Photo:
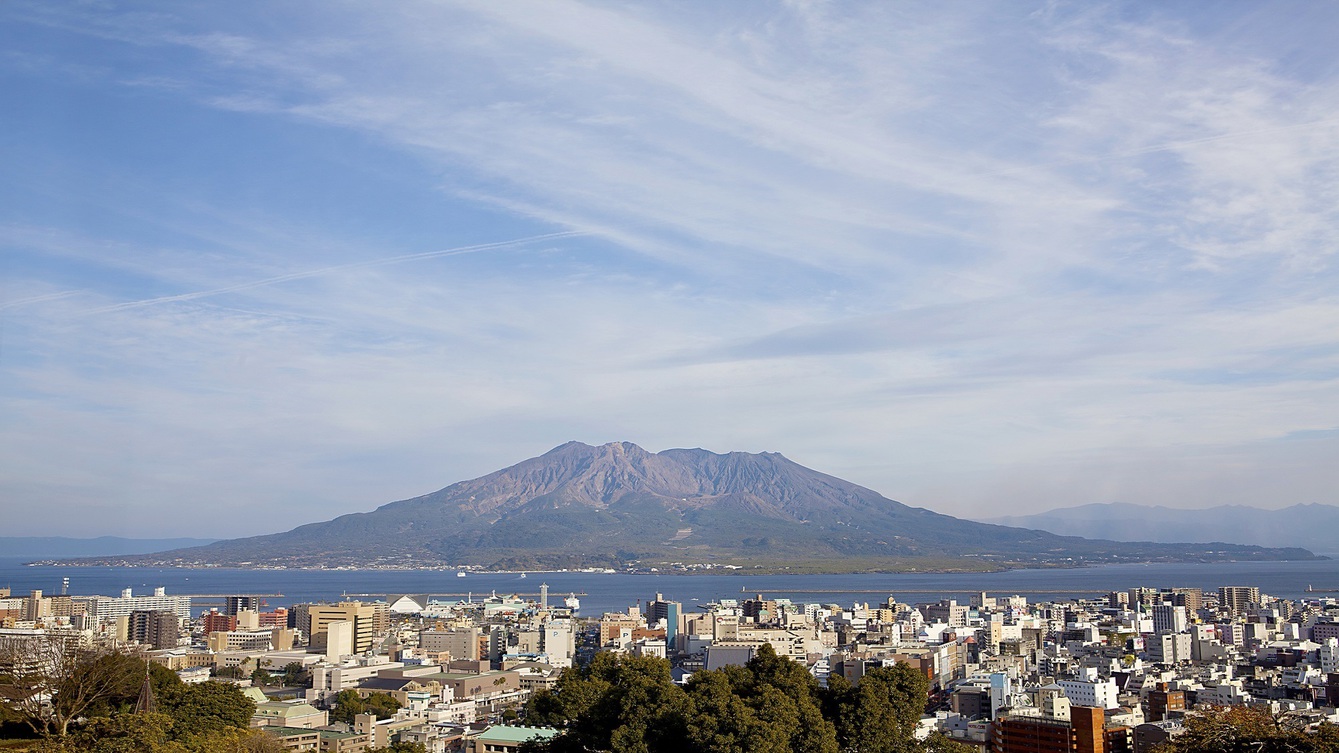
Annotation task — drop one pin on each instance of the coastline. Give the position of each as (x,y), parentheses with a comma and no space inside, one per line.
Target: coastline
(615,592)
(853,566)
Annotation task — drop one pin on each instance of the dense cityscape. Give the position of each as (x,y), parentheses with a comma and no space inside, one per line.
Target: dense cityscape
(1112,675)
(609,376)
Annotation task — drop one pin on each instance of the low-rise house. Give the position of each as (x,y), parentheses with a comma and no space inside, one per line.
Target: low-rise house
(291,714)
(501,738)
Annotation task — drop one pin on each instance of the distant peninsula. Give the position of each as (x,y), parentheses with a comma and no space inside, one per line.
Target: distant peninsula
(101,546)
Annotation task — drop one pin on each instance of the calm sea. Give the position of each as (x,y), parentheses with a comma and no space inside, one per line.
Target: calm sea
(611,592)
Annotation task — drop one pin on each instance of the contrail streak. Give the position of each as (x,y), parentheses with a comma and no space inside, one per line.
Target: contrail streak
(461,250)
(37,299)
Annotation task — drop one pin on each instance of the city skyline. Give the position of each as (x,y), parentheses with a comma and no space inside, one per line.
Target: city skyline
(290,262)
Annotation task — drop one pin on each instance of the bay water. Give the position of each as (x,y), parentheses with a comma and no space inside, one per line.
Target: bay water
(611,592)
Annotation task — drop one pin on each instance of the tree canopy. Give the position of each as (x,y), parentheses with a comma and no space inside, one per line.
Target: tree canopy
(50,681)
(152,733)
(92,693)
(349,704)
(626,704)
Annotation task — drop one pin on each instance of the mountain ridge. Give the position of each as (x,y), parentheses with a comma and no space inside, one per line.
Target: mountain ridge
(616,504)
(70,546)
(1307,525)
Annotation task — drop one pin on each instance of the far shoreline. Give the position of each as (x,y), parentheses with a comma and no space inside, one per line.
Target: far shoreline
(798,569)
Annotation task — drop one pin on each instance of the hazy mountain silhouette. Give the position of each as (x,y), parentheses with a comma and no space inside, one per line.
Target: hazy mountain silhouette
(1310,526)
(64,546)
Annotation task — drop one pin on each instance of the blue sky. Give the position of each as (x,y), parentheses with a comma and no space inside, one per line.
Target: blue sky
(268,263)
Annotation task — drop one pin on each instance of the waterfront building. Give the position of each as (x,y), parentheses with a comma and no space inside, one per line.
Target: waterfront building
(111,607)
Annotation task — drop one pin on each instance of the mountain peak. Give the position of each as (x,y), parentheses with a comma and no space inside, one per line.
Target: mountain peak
(609,504)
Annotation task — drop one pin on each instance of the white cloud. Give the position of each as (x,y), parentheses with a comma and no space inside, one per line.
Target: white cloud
(956,254)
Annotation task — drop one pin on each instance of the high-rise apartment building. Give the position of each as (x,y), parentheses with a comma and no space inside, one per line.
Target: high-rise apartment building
(1190,598)
(234,604)
(215,622)
(36,607)
(106,607)
(1238,599)
(154,627)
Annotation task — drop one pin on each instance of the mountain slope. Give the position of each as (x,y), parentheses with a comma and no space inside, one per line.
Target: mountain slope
(1310,526)
(63,546)
(608,505)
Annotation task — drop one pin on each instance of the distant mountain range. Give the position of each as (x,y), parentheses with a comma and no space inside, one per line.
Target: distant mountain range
(102,546)
(1313,526)
(614,504)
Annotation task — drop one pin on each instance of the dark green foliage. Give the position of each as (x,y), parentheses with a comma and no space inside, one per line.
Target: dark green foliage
(95,692)
(938,742)
(349,704)
(205,708)
(152,733)
(296,675)
(122,733)
(615,703)
(879,714)
(770,705)
(51,685)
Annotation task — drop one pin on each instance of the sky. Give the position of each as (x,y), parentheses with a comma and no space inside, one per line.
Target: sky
(266,263)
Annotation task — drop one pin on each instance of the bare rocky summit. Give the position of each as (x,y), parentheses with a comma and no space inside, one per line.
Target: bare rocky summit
(609,505)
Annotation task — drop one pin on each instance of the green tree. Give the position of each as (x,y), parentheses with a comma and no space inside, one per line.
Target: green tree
(770,703)
(348,704)
(122,733)
(152,733)
(381,705)
(938,742)
(51,681)
(720,720)
(296,675)
(878,714)
(623,704)
(205,708)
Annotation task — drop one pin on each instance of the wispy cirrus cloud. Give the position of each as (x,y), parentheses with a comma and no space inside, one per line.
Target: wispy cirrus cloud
(954,253)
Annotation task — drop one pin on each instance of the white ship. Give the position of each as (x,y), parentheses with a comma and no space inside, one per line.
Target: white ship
(460,574)
(572,602)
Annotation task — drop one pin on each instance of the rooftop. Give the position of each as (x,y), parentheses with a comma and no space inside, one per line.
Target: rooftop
(507,733)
